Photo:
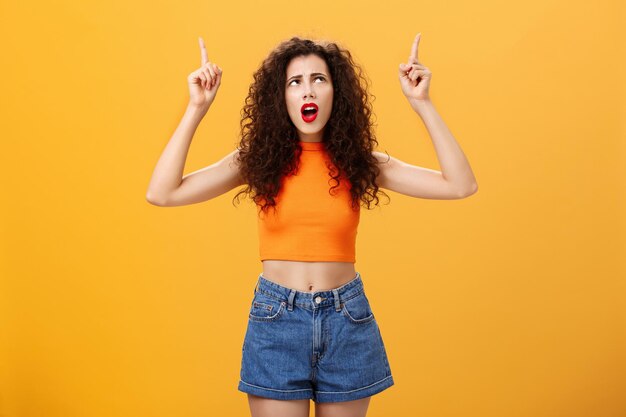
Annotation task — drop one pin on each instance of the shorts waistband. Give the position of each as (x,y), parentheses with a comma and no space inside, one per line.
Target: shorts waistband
(334,296)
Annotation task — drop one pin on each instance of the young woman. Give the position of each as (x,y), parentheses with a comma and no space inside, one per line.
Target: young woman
(306,157)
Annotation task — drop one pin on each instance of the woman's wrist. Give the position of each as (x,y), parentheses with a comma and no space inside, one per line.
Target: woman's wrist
(196,110)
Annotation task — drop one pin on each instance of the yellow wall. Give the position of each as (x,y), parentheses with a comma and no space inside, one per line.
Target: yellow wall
(509,303)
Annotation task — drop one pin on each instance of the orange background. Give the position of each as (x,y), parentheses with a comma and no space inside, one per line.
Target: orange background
(509,303)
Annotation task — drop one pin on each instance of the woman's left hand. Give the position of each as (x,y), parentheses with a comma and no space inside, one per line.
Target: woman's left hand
(415,77)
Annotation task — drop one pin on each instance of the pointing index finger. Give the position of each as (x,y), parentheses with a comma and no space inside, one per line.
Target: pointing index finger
(203,53)
(413,56)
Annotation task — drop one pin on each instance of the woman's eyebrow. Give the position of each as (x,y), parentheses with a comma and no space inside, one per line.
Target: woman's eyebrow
(300,75)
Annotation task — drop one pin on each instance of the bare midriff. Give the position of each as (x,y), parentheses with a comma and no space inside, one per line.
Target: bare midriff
(308,276)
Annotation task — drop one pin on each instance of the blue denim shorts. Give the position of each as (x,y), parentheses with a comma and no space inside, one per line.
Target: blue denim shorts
(325,345)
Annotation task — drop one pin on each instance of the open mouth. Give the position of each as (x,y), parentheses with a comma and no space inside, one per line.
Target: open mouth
(309,112)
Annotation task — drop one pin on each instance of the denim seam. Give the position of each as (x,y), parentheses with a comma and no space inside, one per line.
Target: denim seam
(280,390)
(268,318)
(354,390)
(383,350)
(267,294)
(262,305)
(358,321)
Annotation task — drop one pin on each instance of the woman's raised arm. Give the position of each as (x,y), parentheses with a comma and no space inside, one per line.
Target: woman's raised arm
(167,176)
(205,184)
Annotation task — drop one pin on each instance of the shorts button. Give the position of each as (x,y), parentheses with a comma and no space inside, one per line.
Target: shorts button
(318,299)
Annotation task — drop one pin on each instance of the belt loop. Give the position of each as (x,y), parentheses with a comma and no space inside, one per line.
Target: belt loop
(257,284)
(336,297)
(292,295)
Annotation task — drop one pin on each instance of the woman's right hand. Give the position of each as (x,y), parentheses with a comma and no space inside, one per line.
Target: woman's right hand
(204,82)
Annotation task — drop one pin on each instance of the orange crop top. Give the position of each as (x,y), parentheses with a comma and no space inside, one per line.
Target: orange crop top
(309,223)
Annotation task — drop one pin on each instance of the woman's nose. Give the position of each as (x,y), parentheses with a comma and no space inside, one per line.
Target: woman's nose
(308,90)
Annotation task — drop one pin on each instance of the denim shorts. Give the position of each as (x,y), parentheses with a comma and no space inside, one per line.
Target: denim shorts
(325,345)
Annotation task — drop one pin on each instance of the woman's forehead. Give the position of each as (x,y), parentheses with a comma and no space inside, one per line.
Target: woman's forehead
(306,65)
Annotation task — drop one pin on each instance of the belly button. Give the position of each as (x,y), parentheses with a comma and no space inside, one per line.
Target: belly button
(310,287)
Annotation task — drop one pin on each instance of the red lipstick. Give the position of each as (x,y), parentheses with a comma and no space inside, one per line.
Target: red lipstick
(310,115)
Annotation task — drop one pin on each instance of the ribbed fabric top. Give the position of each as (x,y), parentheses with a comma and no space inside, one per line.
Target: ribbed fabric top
(310,224)
(312,146)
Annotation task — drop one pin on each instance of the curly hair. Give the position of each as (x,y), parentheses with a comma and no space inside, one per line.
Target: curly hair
(269,146)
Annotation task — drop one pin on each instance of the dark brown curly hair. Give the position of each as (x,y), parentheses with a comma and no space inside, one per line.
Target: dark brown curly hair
(269,146)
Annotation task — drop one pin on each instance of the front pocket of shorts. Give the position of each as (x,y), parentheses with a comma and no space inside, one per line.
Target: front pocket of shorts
(357,310)
(265,308)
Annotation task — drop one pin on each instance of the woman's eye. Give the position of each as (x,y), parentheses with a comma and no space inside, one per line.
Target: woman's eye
(318,77)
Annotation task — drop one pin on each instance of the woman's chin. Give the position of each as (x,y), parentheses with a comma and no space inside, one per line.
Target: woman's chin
(310,130)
